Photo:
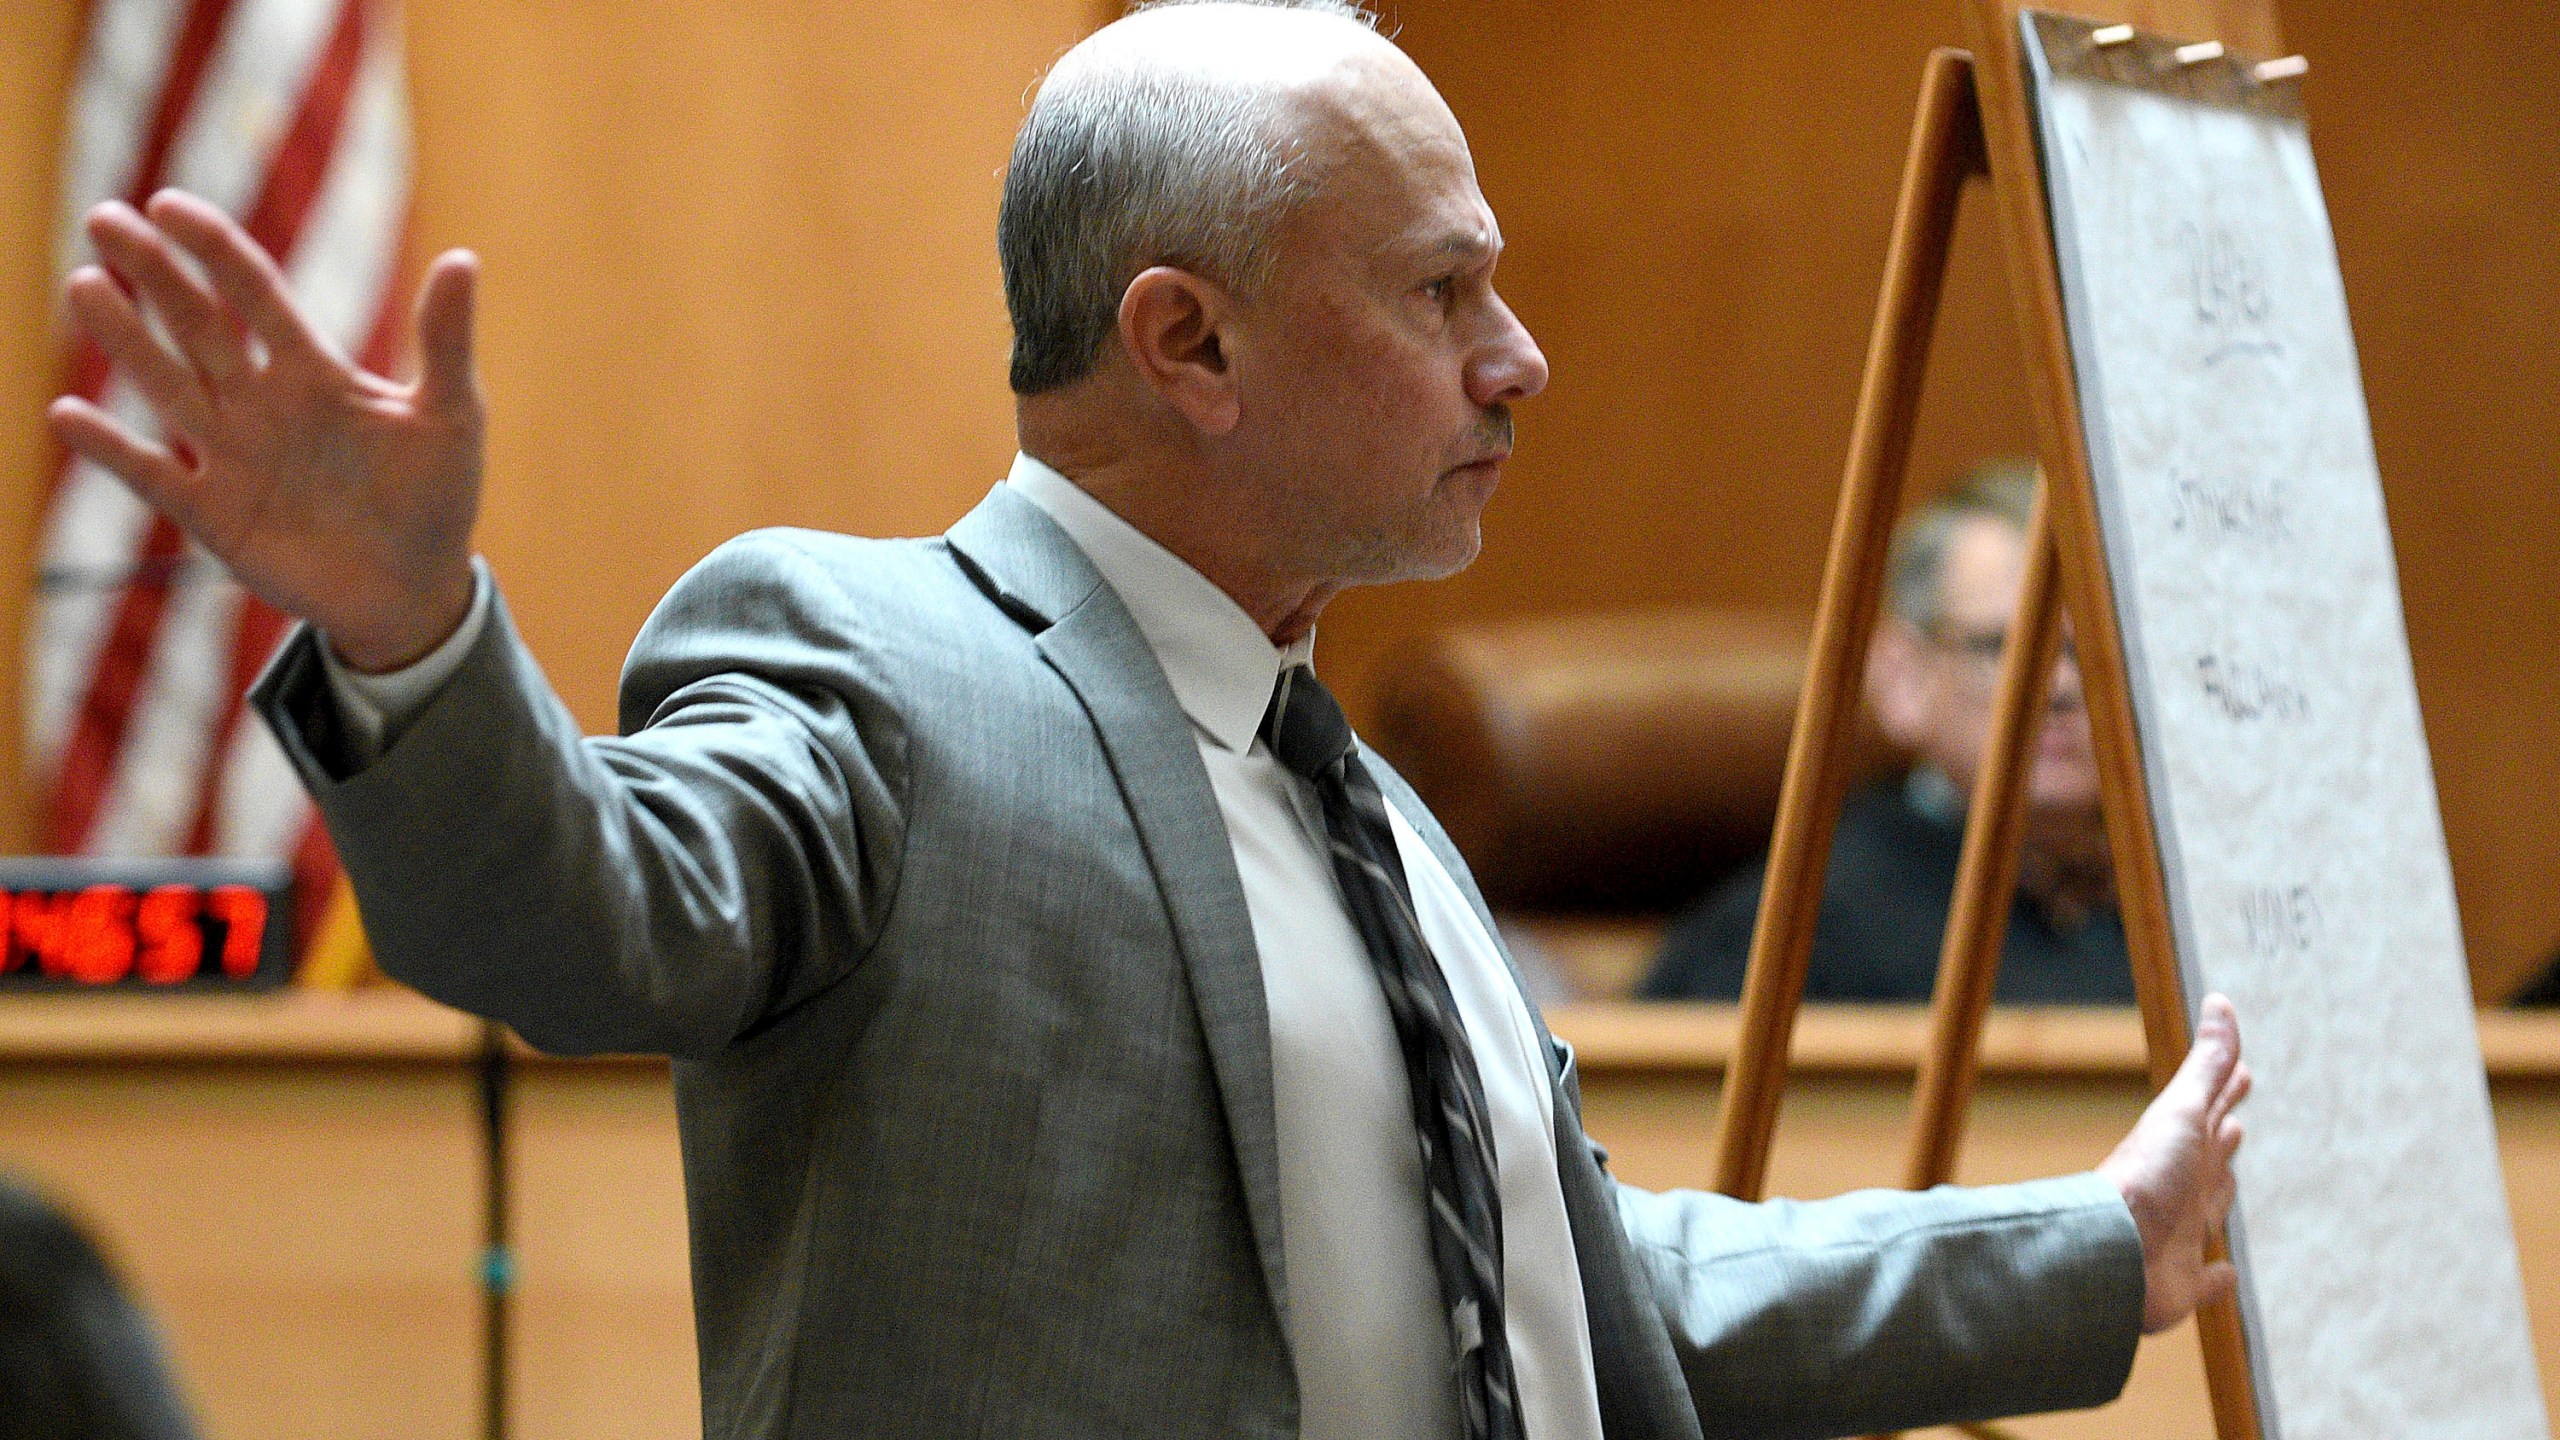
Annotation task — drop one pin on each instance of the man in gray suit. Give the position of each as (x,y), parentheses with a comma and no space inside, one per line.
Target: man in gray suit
(1075,1034)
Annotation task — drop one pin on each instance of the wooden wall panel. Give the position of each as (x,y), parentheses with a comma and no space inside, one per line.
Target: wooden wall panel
(37,43)
(2434,133)
(298,1200)
(305,1237)
(309,1239)
(1696,202)
(741,272)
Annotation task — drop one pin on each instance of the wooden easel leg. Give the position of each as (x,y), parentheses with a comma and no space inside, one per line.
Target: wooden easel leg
(2228,1383)
(1946,149)
(1987,874)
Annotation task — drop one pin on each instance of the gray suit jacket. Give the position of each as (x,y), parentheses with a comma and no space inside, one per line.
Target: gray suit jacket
(908,859)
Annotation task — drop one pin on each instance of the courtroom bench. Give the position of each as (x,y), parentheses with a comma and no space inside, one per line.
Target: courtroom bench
(294,1184)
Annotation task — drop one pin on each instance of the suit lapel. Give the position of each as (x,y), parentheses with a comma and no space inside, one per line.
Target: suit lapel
(1014,550)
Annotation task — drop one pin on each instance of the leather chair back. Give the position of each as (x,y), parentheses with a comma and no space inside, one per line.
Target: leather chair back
(1617,761)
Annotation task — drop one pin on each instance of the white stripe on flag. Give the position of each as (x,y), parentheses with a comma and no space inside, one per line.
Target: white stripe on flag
(112,100)
(95,525)
(251,89)
(262,809)
(89,548)
(150,804)
(342,269)
(339,267)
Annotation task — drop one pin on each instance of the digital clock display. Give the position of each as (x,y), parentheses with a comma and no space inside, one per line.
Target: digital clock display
(193,924)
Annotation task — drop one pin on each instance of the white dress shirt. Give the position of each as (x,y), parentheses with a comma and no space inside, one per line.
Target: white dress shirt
(1365,1320)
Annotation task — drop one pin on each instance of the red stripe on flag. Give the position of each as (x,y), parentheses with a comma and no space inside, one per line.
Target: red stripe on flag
(302,158)
(179,83)
(381,352)
(85,369)
(98,730)
(105,715)
(87,768)
(253,639)
(85,375)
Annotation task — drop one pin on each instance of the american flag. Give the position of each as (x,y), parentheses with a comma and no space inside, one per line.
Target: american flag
(291,115)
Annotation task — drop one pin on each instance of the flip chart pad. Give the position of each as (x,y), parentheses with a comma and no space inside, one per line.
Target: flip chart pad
(2295,811)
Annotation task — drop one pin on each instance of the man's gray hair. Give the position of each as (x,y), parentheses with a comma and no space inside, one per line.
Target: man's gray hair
(1915,569)
(1124,168)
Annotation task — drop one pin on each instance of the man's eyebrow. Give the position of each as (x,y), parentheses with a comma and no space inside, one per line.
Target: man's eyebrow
(1464,244)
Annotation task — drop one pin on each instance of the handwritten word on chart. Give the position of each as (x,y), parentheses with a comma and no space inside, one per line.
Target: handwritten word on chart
(2280,920)
(2246,692)
(2227,291)
(2242,511)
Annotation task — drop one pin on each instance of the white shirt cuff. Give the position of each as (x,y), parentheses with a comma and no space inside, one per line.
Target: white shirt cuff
(376,708)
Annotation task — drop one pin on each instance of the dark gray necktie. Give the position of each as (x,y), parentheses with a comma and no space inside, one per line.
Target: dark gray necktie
(1306,731)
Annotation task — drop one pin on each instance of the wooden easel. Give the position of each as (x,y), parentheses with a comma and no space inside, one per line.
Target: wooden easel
(1973,121)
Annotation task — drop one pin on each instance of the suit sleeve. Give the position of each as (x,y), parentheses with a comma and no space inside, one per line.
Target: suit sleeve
(1888,1310)
(662,891)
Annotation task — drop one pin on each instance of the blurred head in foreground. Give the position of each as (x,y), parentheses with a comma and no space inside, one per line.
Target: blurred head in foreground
(78,1360)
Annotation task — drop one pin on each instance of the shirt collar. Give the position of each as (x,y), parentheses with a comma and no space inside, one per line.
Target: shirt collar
(1935,794)
(1221,666)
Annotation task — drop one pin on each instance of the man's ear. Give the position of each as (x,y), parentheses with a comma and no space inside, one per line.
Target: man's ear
(1897,687)
(1173,325)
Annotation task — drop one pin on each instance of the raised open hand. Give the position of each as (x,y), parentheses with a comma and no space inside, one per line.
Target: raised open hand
(334,494)
(2174,1171)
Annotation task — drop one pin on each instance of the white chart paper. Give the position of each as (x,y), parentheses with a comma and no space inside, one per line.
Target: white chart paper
(2295,808)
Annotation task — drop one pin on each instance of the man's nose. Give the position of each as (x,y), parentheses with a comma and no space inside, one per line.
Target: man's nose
(2067,694)
(1509,366)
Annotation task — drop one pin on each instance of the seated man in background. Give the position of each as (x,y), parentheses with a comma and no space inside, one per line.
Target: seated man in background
(1951,586)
